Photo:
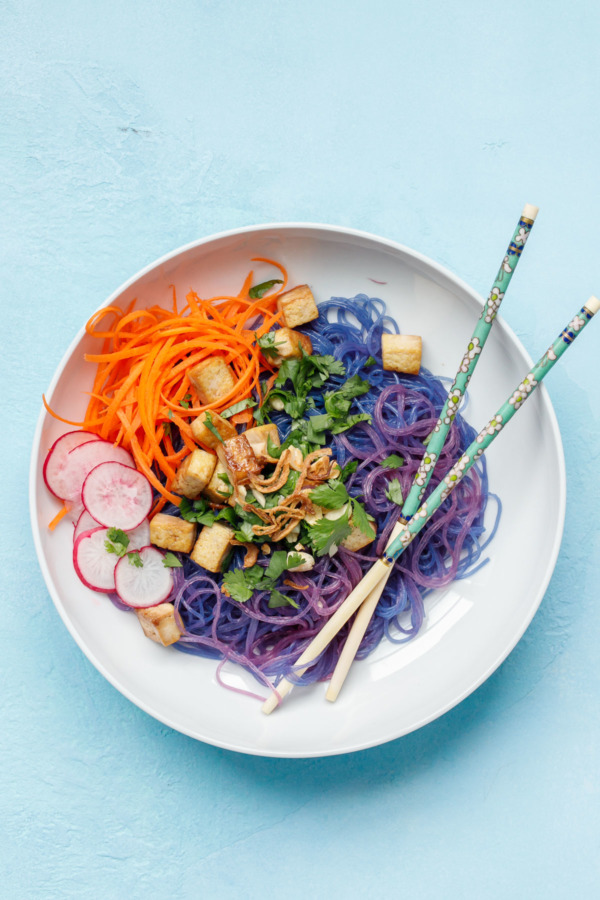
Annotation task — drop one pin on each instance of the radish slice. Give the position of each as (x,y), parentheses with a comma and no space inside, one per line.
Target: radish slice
(55,465)
(74,509)
(140,536)
(93,563)
(85,522)
(117,495)
(81,460)
(148,585)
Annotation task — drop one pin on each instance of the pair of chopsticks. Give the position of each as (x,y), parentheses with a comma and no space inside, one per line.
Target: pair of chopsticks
(414,516)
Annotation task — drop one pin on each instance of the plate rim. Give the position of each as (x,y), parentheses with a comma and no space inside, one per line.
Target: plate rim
(560,489)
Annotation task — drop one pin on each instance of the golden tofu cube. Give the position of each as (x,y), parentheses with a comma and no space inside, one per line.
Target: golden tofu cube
(357,539)
(172,533)
(257,437)
(298,306)
(217,488)
(204,435)
(213,379)
(402,353)
(212,546)
(289,344)
(239,458)
(158,623)
(194,474)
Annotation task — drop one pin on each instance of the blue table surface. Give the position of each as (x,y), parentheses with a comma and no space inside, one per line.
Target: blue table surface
(129,129)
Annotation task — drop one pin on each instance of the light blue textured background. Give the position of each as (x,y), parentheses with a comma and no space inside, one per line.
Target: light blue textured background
(129,128)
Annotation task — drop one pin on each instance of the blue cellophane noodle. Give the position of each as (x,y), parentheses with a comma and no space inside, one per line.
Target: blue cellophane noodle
(404,410)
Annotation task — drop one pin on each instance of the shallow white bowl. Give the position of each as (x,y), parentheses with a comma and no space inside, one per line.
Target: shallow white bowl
(471,626)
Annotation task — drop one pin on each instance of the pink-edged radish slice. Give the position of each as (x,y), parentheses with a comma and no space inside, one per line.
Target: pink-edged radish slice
(85,522)
(117,496)
(81,460)
(145,585)
(74,509)
(140,536)
(55,464)
(93,563)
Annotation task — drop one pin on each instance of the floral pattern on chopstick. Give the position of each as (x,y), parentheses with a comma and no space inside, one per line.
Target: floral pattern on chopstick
(492,306)
(526,387)
(468,363)
(473,349)
(427,464)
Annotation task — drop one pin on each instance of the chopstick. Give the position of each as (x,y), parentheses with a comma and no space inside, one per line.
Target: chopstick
(473,452)
(440,432)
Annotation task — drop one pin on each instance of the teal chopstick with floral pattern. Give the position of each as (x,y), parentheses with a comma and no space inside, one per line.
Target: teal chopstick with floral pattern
(381,568)
(492,429)
(469,361)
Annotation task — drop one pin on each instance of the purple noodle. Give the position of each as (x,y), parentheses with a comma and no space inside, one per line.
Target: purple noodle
(404,410)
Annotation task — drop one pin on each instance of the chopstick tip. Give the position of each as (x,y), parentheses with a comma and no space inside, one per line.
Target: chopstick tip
(530,211)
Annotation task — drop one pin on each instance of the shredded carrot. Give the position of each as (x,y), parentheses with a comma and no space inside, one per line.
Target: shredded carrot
(141,388)
(60,418)
(57,518)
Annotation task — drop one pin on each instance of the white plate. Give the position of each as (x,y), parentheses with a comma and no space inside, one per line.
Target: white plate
(471,625)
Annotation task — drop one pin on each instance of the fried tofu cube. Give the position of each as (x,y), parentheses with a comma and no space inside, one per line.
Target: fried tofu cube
(203,434)
(357,539)
(217,489)
(402,353)
(212,546)
(159,624)
(289,344)
(172,533)
(194,474)
(298,306)
(239,458)
(258,437)
(212,378)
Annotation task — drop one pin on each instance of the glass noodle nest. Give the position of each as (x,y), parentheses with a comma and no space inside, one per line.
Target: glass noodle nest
(404,411)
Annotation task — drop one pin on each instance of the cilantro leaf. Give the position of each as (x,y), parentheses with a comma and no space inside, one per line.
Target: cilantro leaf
(370,361)
(269,345)
(327,365)
(238,407)
(245,533)
(228,514)
(289,371)
(186,402)
(294,560)
(327,533)
(338,427)
(361,520)
(393,461)
(170,561)
(272,449)
(116,541)
(332,495)
(238,586)
(394,492)
(277,565)
(277,599)
(316,427)
(354,387)
(337,405)
(308,372)
(196,511)
(348,470)
(209,424)
(135,559)
(259,290)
